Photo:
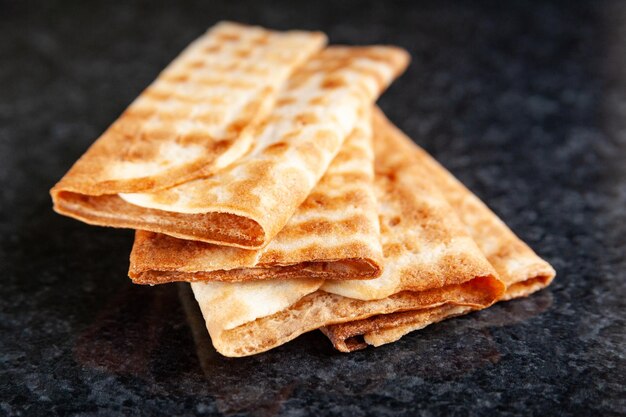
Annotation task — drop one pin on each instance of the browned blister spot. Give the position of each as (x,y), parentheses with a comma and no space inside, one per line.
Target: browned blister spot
(276,149)
(333,81)
(285,101)
(138,112)
(393,250)
(262,39)
(227,37)
(194,138)
(156,94)
(243,53)
(195,64)
(318,101)
(306,118)
(175,78)
(211,49)
(237,126)
(272,255)
(394,221)
(160,133)
(207,141)
(260,170)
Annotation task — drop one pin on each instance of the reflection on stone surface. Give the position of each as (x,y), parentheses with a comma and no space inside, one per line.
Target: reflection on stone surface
(515,311)
(157,335)
(140,333)
(124,335)
(461,347)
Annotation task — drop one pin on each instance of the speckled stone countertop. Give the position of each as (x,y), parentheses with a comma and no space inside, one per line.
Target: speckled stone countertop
(526,104)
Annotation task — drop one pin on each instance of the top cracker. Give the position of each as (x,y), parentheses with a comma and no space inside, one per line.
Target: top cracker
(196,117)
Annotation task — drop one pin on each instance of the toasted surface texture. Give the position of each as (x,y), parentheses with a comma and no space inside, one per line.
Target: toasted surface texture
(386,328)
(520,269)
(430,260)
(197,116)
(319,309)
(515,262)
(334,233)
(251,200)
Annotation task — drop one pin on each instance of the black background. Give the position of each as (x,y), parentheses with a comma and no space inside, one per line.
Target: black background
(526,104)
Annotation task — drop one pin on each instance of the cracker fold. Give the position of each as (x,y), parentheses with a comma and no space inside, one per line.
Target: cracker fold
(519,268)
(246,204)
(430,260)
(334,233)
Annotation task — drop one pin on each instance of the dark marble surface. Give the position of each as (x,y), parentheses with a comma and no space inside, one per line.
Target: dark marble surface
(525,103)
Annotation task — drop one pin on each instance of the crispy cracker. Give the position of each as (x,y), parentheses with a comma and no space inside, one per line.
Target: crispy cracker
(521,270)
(430,260)
(334,233)
(249,202)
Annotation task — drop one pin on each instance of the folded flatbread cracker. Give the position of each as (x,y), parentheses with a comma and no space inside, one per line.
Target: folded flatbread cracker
(196,117)
(246,204)
(521,270)
(334,233)
(430,260)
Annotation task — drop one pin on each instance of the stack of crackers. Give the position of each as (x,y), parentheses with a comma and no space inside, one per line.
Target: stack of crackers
(257,168)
